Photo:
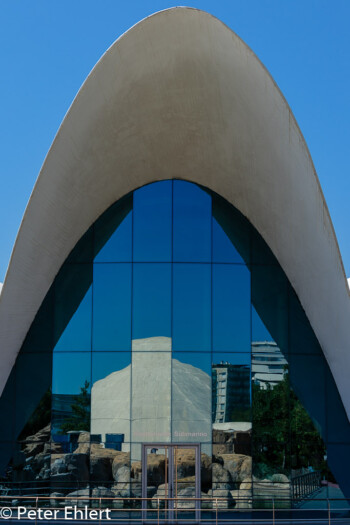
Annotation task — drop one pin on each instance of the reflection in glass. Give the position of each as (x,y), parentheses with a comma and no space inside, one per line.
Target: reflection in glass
(231,389)
(192,223)
(191,307)
(71,382)
(158,478)
(152,222)
(191,397)
(270,396)
(112,307)
(224,250)
(151,392)
(32,394)
(231,308)
(184,480)
(152,301)
(76,335)
(110,399)
(270,300)
(231,404)
(173,362)
(118,246)
(302,338)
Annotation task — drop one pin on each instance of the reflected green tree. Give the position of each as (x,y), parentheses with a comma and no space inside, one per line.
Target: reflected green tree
(80,418)
(284,435)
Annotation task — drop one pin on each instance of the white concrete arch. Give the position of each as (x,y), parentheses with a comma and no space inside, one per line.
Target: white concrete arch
(181,96)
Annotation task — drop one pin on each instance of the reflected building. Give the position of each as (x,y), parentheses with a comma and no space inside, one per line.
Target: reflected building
(268,363)
(231,392)
(169,340)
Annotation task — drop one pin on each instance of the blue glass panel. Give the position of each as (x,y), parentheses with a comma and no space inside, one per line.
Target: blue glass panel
(236,227)
(269,364)
(231,308)
(33,383)
(269,292)
(77,333)
(71,383)
(112,307)
(191,307)
(223,249)
(152,222)
(192,223)
(152,302)
(302,339)
(70,371)
(338,457)
(259,330)
(307,377)
(234,359)
(40,336)
(118,246)
(106,363)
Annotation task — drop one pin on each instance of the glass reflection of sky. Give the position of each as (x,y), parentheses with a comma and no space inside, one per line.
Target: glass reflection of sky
(231,308)
(151,300)
(118,247)
(77,334)
(195,359)
(223,249)
(231,358)
(192,307)
(112,307)
(191,223)
(259,330)
(152,228)
(203,307)
(70,371)
(105,363)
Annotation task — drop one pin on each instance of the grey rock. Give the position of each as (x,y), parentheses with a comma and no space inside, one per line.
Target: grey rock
(279,478)
(222,499)
(220,474)
(77,465)
(121,459)
(65,477)
(58,467)
(122,475)
(76,498)
(54,502)
(102,492)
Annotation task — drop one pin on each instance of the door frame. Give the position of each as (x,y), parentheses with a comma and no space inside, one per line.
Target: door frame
(171,447)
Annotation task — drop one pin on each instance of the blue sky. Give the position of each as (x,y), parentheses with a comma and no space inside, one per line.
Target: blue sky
(48,47)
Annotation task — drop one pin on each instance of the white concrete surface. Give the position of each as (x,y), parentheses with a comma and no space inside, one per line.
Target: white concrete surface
(181,96)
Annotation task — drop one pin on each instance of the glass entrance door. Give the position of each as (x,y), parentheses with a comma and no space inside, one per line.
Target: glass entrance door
(170,481)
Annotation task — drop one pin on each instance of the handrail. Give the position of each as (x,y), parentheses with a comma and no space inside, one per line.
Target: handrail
(216,513)
(305,484)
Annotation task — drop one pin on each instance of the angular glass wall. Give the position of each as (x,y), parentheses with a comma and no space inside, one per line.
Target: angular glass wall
(172,323)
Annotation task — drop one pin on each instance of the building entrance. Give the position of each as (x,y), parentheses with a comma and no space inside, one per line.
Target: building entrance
(171,481)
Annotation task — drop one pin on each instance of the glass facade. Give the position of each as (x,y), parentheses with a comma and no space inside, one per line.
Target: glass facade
(171,323)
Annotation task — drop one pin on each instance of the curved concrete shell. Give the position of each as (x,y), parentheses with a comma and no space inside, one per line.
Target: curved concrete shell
(181,96)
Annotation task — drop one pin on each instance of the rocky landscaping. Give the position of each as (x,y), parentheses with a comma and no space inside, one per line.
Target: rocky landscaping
(107,473)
